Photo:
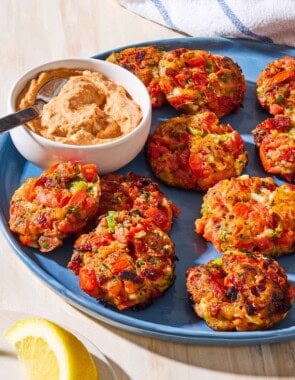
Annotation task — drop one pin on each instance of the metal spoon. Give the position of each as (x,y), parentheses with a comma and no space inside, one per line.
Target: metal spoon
(46,92)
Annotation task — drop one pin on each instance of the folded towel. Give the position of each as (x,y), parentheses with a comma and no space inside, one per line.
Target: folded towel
(263,20)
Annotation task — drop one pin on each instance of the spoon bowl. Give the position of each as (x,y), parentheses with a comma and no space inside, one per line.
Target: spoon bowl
(46,92)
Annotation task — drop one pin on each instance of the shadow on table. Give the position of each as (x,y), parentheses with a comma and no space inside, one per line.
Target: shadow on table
(267,360)
(108,372)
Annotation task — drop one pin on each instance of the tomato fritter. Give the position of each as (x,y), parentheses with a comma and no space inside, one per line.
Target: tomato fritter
(276,87)
(132,191)
(195,151)
(143,62)
(275,139)
(58,203)
(251,214)
(126,261)
(240,292)
(196,80)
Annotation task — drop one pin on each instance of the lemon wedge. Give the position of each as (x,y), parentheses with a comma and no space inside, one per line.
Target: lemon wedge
(50,352)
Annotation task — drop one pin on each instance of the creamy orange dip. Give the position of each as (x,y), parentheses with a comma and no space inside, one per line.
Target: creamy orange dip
(90,109)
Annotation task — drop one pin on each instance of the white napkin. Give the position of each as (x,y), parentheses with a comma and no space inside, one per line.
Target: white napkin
(262,20)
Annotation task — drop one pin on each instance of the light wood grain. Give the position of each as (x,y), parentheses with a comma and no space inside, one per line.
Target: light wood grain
(35,31)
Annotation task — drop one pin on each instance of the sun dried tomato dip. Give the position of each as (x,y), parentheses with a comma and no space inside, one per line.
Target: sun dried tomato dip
(90,109)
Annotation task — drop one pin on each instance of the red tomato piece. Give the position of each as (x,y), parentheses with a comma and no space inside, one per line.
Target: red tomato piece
(237,144)
(199,79)
(282,76)
(89,171)
(88,282)
(196,62)
(120,265)
(197,166)
(77,198)
(159,217)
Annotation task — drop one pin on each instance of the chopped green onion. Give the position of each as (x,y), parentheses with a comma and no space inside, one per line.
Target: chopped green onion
(196,132)
(277,233)
(223,137)
(280,99)
(218,261)
(111,219)
(224,78)
(78,185)
(45,245)
(223,235)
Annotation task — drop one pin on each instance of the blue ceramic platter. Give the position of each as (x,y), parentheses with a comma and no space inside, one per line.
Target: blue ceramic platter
(170,317)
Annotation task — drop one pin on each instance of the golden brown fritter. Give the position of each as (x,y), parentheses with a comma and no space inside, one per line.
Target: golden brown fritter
(276,87)
(132,191)
(195,152)
(196,80)
(275,139)
(251,214)
(60,202)
(143,62)
(126,261)
(240,292)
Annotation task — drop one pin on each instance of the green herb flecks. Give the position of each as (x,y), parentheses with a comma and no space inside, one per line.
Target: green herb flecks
(111,219)
(218,261)
(78,185)
(280,99)
(224,78)
(196,132)
(45,245)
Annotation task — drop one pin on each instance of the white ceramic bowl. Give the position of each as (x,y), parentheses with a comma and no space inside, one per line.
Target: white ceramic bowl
(109,156)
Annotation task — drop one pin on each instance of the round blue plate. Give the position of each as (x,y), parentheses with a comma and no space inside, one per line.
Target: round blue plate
(170,317)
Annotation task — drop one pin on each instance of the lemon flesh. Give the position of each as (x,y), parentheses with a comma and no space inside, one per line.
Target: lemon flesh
(50,352)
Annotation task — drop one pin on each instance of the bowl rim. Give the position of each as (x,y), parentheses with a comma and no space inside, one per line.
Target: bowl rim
(34,71)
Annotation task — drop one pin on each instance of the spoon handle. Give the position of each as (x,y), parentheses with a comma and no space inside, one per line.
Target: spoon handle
(18,118)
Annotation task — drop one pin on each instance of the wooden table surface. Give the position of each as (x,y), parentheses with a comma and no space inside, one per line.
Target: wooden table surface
(33,32)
